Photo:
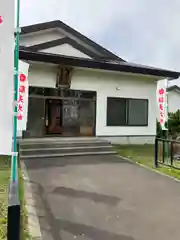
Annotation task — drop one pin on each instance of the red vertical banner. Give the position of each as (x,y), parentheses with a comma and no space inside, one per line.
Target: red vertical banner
(1,20)
(22,96)
(161,95)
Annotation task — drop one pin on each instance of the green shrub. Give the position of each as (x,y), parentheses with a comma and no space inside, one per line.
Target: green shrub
(173,125)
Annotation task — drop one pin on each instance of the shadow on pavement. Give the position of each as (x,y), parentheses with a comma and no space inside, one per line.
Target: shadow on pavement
(95,197)
(56,227)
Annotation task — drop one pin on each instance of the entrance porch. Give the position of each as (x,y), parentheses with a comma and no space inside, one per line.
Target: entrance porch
(52,147)
(60,112)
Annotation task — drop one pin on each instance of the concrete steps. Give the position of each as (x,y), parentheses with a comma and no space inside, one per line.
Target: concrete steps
(61,147)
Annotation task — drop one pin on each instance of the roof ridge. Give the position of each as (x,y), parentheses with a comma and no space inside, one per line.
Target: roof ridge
(174,87)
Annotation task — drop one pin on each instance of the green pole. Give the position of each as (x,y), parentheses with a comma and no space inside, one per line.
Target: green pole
(14,169)
(14,207)
(167,131)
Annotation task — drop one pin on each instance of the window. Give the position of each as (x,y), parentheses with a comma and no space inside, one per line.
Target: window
(137,112)
(116,112)
(127,112)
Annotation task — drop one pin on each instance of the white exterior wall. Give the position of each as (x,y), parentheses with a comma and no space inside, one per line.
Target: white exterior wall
(173,101)
(42,76)
(66,50)
(106,85)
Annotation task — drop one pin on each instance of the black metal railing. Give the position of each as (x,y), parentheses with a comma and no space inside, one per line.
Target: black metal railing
(167,152)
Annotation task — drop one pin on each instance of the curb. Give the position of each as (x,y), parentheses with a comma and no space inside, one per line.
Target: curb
(148,168)
(33,221)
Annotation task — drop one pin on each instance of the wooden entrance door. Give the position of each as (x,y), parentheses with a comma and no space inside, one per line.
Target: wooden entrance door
(54,116)
(70,116)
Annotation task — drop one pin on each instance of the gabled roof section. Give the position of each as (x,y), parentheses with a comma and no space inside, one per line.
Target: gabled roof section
(59,24)
(174,88)
(61,41)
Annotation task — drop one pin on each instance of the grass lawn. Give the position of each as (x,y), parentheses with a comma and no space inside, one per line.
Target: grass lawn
(144,154)
(4,181)
(24,219)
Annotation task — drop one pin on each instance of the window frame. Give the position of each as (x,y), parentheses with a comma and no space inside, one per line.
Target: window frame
(127,112)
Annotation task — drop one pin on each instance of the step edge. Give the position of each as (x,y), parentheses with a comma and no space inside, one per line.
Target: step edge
(61,142)
(68,154)
(64,148)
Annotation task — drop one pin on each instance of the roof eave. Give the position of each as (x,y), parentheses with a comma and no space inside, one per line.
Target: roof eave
(94,64)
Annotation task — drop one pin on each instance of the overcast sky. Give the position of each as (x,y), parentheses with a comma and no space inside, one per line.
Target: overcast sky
(142,31)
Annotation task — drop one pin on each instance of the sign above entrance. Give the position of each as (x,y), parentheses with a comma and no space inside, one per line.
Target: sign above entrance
(23,96)
(63,79)
(61,93)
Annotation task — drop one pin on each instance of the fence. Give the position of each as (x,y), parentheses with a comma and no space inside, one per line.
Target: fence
(167,152)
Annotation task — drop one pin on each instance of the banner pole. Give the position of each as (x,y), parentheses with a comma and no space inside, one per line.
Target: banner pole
(14,209)
(16,75)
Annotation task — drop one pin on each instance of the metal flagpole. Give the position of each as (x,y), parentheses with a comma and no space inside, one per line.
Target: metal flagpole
(13,226)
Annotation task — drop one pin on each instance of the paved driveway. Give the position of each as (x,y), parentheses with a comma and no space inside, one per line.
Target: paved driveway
(103,198)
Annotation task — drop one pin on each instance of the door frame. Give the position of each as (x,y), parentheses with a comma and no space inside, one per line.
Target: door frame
(94,100)
(43,120)
(49,118)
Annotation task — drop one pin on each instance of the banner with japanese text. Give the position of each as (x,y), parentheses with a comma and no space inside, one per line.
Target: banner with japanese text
(161,95)
(6,75)
(22,96)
